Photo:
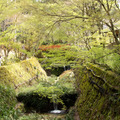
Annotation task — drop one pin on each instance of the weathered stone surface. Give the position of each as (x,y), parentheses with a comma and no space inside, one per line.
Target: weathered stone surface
(99,93)
(22,72)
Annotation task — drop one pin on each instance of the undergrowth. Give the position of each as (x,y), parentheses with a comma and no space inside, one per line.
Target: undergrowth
(41,95)
(7,103)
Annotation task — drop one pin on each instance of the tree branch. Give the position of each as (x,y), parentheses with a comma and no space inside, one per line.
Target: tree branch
(116,4)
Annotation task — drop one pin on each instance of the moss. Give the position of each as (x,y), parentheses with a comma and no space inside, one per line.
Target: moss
(13,75)
(97,100)
(18,73)
(111,77)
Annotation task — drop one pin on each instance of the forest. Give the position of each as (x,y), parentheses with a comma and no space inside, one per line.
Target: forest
(61,55)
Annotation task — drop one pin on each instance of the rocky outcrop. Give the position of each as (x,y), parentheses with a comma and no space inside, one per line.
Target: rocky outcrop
(99,93)
(21,73)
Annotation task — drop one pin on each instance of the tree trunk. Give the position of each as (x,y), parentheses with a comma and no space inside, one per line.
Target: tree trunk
(113,32)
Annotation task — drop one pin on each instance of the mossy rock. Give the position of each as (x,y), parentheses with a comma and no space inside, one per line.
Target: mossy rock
(110,76)
(21,72)
(99,93)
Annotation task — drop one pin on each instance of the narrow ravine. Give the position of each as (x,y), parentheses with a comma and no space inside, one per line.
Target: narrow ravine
(50,100)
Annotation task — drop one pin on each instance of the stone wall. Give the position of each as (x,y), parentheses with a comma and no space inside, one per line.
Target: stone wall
(99,93)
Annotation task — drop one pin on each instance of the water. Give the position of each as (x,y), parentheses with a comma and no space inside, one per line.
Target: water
(64,68)
(56,111)
(55,106)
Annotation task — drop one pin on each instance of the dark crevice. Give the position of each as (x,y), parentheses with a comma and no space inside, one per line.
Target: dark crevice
(44,104)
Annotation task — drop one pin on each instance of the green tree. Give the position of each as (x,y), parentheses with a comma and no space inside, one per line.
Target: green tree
(110,15)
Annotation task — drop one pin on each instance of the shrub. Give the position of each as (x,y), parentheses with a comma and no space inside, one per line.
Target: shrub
(7,101)
(41,97)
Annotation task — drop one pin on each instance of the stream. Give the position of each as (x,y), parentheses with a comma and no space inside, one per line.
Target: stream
(52,99)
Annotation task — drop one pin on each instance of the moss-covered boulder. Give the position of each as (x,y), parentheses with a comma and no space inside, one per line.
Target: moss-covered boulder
(22,72)
(99,93)
(27,72)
